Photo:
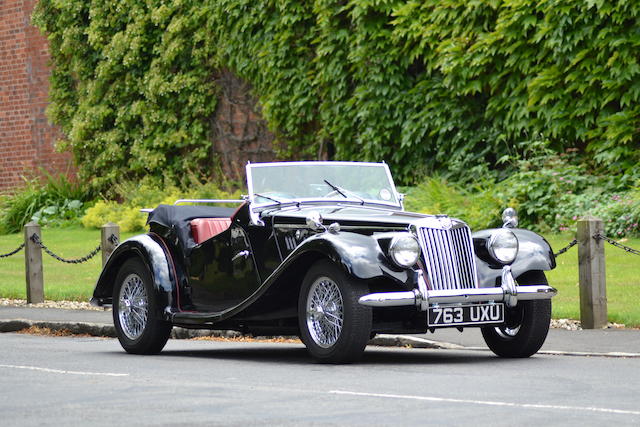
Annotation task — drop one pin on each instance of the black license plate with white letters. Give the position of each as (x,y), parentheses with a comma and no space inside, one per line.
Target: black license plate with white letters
(472,314)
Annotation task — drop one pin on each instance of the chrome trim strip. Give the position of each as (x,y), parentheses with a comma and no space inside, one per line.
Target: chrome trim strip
(453,296)
(342,227)
(177,202)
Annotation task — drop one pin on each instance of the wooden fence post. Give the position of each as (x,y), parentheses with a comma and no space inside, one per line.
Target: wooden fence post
(593,296)
(106,244)
(33,264)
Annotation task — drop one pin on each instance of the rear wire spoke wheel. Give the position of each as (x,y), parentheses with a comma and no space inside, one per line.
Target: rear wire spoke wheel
(137,316)
(133,304)
(334,327)
(526,325)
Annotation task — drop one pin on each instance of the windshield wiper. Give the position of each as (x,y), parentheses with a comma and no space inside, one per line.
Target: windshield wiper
(343,191)
(268,198)
(336,189)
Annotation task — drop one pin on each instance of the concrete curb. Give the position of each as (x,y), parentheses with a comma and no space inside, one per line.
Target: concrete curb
(615,354)
(383,340)
(80,328)
(102,330)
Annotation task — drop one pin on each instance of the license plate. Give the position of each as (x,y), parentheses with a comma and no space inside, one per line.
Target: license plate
(472,314)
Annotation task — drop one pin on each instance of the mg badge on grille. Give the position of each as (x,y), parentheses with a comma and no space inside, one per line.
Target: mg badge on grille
(445,222)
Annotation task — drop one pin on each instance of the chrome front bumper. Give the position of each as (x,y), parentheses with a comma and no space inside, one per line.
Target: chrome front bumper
(509,293)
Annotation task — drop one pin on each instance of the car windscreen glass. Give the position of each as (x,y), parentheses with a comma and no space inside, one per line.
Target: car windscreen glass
(368,182)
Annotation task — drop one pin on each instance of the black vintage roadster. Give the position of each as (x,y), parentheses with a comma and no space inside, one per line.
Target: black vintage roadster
(325,251)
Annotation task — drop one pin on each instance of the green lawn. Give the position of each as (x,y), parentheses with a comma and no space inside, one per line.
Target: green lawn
(76,281)
(61,281)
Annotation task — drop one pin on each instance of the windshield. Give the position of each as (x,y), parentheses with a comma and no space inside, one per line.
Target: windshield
(272,183)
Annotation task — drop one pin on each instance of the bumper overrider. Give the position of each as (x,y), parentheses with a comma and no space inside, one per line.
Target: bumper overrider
(509,293)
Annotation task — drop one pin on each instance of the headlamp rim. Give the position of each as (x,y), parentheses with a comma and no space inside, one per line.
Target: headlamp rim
(495,235)
(394,242)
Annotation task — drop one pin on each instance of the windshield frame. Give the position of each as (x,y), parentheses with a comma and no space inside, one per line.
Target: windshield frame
(321,200)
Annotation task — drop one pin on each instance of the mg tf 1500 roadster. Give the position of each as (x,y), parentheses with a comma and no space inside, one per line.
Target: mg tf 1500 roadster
(326,251)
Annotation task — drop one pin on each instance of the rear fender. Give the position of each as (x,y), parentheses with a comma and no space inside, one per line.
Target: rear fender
(150,249)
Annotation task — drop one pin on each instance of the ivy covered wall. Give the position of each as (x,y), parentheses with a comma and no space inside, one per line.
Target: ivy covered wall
(422,84)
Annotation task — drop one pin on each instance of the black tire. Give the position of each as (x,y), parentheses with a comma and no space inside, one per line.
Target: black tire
(526,325)
(137,333)
(326,342)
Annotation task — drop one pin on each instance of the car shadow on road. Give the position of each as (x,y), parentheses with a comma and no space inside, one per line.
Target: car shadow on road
(296,354)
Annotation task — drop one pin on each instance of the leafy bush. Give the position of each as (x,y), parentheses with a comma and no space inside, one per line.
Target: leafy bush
(620,213)
(479,208)
(59,214)
(425,85)
(551,191)
(58,201)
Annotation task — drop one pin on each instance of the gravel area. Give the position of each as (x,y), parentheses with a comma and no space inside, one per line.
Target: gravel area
(569,324)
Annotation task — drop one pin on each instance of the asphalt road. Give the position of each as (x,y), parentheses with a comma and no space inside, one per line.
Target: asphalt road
(91,381)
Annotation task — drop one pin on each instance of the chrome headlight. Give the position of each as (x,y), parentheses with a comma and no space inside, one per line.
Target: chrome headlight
(503,245)
(404,250)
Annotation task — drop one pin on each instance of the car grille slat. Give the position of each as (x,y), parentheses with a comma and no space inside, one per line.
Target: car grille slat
(448,256)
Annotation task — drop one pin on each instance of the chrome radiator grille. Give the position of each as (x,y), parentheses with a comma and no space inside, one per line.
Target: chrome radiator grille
(448,255)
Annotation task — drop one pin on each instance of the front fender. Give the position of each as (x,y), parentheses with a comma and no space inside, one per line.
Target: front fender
(359,255)
(534,253)
(150,250)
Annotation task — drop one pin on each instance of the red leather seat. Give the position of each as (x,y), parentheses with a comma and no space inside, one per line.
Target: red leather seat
(205,228)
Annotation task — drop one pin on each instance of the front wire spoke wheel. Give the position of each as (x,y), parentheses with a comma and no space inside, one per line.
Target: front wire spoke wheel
(324,301)
(334,327)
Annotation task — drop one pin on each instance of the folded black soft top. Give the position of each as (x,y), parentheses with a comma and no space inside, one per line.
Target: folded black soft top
(172,218)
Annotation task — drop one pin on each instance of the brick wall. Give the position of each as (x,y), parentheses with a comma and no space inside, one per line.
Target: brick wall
(26,138)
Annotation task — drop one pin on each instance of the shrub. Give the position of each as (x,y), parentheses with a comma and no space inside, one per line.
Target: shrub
(60,214)
(479,208)
(552,191)
(58,201)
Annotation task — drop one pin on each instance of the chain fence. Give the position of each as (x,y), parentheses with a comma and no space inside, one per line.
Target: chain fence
(612,242)
(35,239)
(566,248)
(13,252)
(599,236)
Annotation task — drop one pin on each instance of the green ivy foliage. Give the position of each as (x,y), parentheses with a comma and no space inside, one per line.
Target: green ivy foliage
(425,85)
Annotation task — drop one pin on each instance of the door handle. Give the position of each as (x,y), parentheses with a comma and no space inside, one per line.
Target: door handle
(242,254)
